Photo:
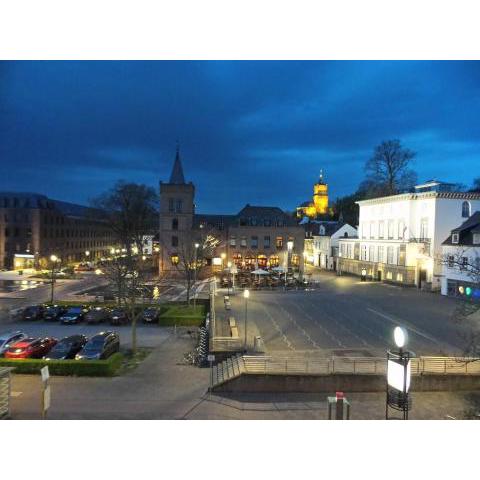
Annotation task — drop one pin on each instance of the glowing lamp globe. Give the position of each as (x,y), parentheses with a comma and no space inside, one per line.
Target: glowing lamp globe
(400,336)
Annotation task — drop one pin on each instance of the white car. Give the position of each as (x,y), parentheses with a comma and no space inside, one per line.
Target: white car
(9,338)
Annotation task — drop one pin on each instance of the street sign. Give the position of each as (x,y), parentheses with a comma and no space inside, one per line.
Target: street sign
(45,373)
(211,358)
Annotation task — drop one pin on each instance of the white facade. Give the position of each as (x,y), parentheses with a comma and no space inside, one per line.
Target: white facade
(400,237)
(326,247)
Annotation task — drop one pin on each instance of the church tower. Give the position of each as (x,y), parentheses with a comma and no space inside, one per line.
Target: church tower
(320,196)
(177,209)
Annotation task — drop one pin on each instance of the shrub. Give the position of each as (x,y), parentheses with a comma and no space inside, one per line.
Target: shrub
(80,368)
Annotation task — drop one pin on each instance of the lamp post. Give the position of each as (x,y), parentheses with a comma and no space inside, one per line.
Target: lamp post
(223,256)
(289,251)
(229,265)
(195,277)
(54,259)
(246,294)
(398,375)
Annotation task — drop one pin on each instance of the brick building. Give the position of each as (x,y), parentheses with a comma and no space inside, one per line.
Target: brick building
(33,227)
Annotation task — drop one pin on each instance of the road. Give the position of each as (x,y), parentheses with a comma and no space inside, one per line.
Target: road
(345,316)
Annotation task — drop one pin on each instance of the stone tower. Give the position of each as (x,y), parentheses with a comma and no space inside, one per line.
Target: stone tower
(177,209)
(320,196)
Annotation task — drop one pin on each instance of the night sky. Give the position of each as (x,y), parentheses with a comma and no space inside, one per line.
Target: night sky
(249,132)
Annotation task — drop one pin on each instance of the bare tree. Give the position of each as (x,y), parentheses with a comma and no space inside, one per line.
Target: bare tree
(388,170)
(467,262)
(130,211)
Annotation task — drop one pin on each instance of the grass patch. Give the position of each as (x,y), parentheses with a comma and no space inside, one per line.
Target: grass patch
(79,368)
(130,361)
(185,315)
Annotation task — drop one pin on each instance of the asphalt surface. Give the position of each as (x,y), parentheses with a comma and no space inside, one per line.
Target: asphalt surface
(344,316)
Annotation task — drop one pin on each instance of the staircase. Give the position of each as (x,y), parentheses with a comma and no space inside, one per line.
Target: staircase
(230,368)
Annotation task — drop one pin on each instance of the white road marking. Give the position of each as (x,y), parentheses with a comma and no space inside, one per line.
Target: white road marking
(398,321)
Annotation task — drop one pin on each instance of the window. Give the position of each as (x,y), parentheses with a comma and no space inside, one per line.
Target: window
(175,224)
(243,241)
(390,255)
(451,261)
(399,277)
(364,230)
(476,238)
(381,229)
(254,241)
(279,242)
(267,222)
(464,263)
(371,253)
(356,251)
(266,241)
(345,235)
(423,228)
(401,254)
(364,252)
(322,230)
(233,241)
(174,259)
(465,209)
(179,205)
(174,241)
(380,258)
(455,237)
(372,229)
(170,205)
(401,230)
(390,229)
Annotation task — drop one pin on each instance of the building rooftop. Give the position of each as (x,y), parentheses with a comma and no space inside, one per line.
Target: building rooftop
(465,231)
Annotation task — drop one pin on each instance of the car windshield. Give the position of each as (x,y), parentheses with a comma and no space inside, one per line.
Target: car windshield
(94,345)
(74,310)
(62,347)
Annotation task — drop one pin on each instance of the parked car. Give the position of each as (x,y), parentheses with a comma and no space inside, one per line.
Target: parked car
(31,348)
(97,315)
(150,315)
(53,312)
(118,316)
(67,348)
(73,315)
(9,338)
(100,346)
(34,312)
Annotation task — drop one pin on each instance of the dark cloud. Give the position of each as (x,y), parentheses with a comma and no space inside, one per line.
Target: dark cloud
(255,132)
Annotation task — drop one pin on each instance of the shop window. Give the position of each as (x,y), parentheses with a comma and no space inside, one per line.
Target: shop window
(279,242)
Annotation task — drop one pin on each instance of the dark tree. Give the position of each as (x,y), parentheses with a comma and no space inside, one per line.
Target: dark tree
(388,171)
(131,211)
(476,185)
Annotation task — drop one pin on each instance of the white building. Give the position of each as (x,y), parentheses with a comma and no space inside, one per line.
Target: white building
(326,243)
(401,236)
(461,260)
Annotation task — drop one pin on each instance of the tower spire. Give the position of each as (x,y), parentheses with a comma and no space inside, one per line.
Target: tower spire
(177,176)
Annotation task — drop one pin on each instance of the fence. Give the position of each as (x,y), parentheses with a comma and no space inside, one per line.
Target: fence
(361,365)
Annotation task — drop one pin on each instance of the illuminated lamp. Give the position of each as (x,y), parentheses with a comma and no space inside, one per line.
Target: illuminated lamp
(468,291)
(461,290)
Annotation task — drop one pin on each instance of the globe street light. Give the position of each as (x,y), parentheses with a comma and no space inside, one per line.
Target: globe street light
(246,295)
(195,277)
(54,259)
(400,336)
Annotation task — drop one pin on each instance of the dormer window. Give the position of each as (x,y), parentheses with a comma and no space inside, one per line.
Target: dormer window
(322,230)
(476,238)
(455,237)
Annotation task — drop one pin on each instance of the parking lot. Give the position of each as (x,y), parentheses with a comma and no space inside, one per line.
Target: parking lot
(344,316)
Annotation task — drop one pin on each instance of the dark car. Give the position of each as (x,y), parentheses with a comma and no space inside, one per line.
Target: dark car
(53,312)
(9,338)
(150,315)
(97,315)
(34,312)
(31,348)
(73,315)
(67,348)
(100,346)
(118,316)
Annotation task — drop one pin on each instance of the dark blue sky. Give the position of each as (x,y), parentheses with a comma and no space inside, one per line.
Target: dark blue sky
(256,132)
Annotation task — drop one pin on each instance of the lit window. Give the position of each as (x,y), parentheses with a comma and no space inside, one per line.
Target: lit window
(174,259)
(455,237)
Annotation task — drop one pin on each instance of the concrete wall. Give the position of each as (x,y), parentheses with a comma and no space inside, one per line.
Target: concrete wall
(345,383)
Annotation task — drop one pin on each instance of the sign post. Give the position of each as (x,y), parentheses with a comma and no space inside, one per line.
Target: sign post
(45,391)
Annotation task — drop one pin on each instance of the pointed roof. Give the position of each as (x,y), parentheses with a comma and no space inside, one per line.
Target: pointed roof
(177,176)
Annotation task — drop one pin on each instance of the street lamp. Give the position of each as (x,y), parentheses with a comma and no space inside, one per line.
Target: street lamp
(399,374)
(223,256)
(246,294)
(87,255)
(289,251)
(195,277)
(229,266)
(54,259)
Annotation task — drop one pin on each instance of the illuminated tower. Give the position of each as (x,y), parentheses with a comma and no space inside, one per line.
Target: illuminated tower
(320,196)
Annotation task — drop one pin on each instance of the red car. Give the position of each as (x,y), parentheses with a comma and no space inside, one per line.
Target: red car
(31,348)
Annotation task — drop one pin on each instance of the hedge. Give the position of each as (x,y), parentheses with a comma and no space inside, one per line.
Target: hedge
(80,368)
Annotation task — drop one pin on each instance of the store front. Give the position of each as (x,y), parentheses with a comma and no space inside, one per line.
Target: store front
(23,261)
